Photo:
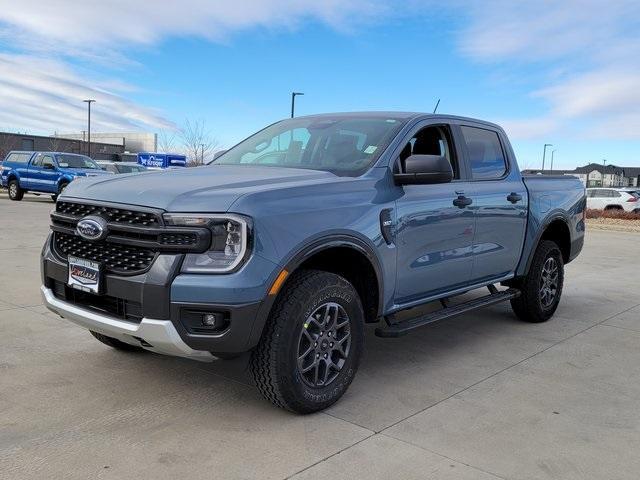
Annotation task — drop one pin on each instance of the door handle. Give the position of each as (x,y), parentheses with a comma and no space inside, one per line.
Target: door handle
(462,201)
(513,197)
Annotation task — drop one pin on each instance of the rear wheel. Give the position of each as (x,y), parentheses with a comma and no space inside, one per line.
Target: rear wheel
(115,343)
(312,343)
(541,289)
(15,192)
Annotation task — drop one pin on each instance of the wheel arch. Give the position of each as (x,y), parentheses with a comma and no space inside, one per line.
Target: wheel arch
(344,255)
(557,230)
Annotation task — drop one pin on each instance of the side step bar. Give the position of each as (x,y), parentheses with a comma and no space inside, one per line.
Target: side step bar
(393,330)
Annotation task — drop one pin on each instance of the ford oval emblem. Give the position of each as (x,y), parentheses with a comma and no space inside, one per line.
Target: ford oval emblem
(92,228)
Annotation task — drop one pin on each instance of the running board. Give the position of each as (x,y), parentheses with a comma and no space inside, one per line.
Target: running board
(393,330)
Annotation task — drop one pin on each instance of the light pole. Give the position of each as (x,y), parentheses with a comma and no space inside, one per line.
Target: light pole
(202,156)
(544,153)
(552,153)
(293,102)
(604,170)
(88,102)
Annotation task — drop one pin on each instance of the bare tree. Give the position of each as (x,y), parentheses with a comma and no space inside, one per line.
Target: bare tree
(55,142)
(167,141)
(197,141)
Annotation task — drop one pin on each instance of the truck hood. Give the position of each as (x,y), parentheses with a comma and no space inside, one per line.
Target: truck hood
(203,189)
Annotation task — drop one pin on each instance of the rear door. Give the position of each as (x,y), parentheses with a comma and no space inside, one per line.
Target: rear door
(500,203)
(434,236)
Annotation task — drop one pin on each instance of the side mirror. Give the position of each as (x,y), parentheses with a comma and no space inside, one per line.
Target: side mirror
(48,166)
(425,169)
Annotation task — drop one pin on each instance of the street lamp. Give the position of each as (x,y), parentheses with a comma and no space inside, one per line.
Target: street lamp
(88,102)
(604,170)
(544,153)
(293,102)
(552,153)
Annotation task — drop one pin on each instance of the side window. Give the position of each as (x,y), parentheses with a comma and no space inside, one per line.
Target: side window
(48,161)
(432,140)
(591,193)
(614,193)
(37,162)
(485,153)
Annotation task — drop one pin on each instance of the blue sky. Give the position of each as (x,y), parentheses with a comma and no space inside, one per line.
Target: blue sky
(566,73)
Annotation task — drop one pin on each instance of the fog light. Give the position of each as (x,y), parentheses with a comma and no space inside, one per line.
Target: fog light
(213,320)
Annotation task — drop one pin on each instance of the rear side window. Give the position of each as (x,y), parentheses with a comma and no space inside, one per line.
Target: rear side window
(485,153)
(18,157)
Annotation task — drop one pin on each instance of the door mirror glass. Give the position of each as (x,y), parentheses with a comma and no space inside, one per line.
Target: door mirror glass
(425,169)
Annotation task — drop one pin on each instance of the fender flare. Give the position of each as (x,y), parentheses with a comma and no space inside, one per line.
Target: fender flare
(543,228)
(306,251)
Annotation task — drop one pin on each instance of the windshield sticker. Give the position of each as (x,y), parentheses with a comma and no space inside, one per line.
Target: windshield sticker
(370,149)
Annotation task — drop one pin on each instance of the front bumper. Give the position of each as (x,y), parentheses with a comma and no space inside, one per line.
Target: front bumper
(156,309)
(159,336)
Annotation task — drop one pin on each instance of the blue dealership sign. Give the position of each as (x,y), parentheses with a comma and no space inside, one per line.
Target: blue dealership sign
(162,160)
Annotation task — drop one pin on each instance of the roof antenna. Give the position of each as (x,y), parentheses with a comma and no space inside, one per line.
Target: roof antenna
(436,109)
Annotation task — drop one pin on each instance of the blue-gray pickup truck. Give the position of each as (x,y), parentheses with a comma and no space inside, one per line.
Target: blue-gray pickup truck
(291,242)
(44,172)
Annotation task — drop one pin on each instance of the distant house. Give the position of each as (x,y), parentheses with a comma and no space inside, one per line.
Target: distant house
(596,175)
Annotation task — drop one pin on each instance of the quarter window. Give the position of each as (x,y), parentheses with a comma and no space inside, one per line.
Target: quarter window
(485,153)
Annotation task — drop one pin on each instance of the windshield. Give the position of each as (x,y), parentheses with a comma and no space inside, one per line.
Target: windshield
(77,161)
(345,145)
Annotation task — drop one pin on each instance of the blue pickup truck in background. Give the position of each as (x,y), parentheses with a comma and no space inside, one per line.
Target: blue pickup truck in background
(289,243)
(44,172)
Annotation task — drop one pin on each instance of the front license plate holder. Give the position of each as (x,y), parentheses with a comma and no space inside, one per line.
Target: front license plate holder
(85,275)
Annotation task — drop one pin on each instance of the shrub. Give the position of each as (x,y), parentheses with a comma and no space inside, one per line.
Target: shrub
(612,213)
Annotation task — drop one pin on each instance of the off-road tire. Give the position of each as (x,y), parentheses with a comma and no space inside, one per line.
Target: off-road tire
(115,343)
(529,306)
(15,192)
(274,362)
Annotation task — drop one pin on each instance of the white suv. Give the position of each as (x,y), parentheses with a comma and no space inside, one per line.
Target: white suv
(611,198)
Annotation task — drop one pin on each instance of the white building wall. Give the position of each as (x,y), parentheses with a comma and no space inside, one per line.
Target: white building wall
(133,142)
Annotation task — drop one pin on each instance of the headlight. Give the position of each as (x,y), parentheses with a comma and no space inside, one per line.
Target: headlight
(229,241)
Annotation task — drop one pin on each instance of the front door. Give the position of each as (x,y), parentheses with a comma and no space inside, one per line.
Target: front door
(434,237)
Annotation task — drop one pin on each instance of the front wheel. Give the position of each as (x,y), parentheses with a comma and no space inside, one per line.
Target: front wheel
(15,192)
(312,343)
(541,289)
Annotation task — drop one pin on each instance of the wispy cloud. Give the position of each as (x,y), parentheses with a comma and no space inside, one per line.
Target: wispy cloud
(590,49)
(44,95)
(38,93)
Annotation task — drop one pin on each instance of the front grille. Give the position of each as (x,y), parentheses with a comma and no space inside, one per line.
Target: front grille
(111,214)
(116,258)
(116,307)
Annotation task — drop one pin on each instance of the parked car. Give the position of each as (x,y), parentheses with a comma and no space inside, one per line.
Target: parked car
(44,172)
(296,238)
(613,199)
(121,167)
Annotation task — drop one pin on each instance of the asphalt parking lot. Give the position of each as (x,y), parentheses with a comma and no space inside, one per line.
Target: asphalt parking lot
(483,396)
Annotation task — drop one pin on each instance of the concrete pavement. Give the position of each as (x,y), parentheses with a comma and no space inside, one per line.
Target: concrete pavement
(483,396)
